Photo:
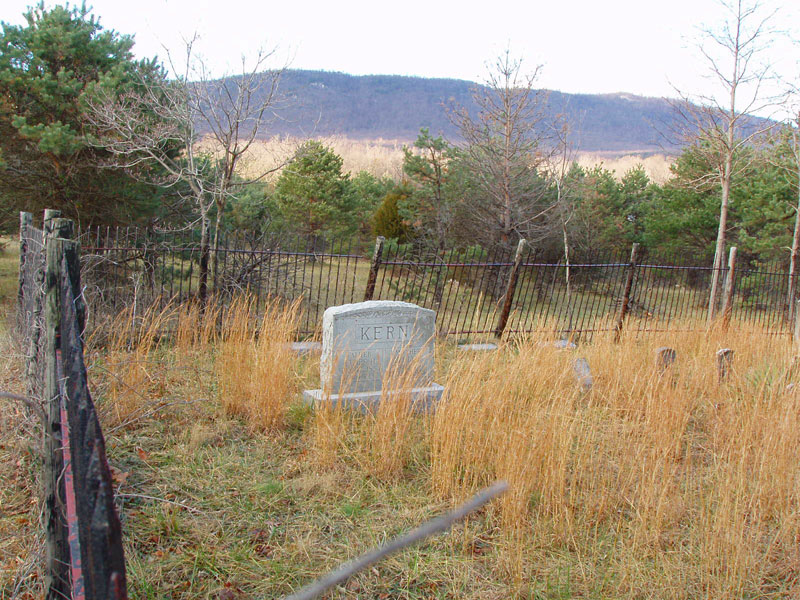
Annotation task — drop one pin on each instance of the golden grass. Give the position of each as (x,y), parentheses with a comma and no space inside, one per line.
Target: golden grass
(657,166)
(651,485)
(255,362)
(381,158)
(384,158)
(693,483)
(21,536)
(130,367)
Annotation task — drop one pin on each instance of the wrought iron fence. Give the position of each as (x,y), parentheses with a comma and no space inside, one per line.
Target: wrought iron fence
(469,288)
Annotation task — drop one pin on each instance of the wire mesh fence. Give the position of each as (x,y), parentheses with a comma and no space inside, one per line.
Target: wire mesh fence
(468,287)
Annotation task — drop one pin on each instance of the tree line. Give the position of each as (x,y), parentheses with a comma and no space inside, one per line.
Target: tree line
(106,138)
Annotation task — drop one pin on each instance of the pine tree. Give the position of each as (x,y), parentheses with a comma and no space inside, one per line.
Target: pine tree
(49,69)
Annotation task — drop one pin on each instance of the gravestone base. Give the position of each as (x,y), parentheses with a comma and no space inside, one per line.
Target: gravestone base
(424,398)
(303,348)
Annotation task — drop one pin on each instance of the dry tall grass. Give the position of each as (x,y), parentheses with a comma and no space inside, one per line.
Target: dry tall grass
(255,363)
(385,157)
(381,438)
(197,330)
(681,486)
(131,374)
(657,166)
(381,158)
(651,485)
(392,431)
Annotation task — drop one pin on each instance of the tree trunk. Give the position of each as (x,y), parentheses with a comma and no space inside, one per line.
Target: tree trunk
(215,254)
(719,251)
(202,290)
(566,258)
(792,287)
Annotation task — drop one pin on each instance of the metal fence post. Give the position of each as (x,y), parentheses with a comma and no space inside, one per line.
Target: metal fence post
(373,268)
(727,306)
(57,576)
(626,294)
(511,286)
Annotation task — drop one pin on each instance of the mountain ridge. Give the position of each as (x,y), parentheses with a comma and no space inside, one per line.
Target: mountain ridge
(325,103)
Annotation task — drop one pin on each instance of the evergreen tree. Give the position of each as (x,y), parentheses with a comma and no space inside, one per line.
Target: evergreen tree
(387,220)
(314,195)
(431,168)
(368,194)
(49,69)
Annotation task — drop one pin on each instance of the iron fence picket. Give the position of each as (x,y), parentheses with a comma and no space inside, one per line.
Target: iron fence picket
(462,286)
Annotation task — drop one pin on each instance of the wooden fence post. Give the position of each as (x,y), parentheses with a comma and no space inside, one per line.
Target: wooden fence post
(57,575)
(373,268)
(25,221)
(797,322)
(727,306)
(511,286)
(626,294)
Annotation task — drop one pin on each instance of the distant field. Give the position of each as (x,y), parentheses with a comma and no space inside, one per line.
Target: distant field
(385,157)
(378,157)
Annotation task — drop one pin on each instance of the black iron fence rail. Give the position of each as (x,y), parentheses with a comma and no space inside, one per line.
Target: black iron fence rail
(468,288)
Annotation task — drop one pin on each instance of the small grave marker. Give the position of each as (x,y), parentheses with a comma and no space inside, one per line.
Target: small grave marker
(724,362)
(665,356)
(565,345)
(303,348)
(583,374)
(478,347)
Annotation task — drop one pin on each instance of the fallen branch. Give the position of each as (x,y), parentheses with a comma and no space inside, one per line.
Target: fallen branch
(191,509)
(427,529)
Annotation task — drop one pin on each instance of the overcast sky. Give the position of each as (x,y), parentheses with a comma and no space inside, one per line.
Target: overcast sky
(644,47)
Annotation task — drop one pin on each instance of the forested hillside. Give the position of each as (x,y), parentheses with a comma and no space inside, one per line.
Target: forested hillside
(321,103)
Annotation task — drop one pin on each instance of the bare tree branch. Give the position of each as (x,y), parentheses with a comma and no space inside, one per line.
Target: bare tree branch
(196,130)
(722,131)
(437,525)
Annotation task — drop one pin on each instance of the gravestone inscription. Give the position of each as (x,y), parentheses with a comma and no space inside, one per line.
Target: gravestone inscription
(361,342)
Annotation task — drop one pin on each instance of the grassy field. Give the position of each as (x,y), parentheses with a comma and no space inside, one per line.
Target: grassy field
(384,158)
(651,485)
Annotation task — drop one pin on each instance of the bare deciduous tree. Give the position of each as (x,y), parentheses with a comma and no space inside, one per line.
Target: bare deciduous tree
(722,126)
(200,130)
(505,148)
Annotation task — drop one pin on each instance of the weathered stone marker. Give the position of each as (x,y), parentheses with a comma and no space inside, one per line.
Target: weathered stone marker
(665,356)
(564,345)
(488,347)
(724,362)
(303,348)
(360,342)
(583,374)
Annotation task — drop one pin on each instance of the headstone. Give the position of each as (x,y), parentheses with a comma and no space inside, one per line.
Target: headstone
(360,342)
(724,361)
(665,356)
(583,374)
(478,347)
